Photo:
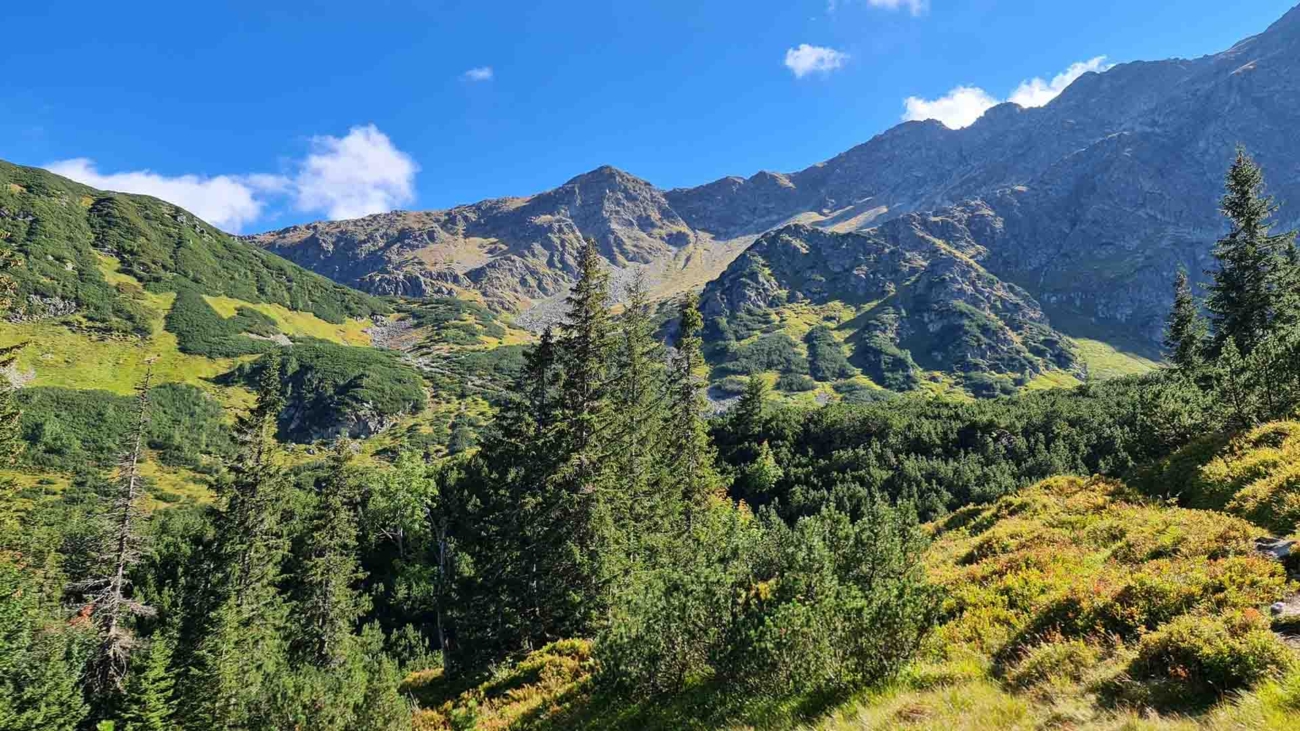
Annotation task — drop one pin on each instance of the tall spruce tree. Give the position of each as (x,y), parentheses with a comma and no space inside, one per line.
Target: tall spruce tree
(1252,282)
(638,424)
(329,604)
(693,456)
(243,650)
(506,490)
(1185,330)
(565,556)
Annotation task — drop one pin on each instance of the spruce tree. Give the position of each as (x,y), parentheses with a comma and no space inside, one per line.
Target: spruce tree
(150,704)
(586,345)
(565,558)
(329,604)
(637,435)
(1250,286)
(1186,329)
(506,489)
(242,650)
(693,456)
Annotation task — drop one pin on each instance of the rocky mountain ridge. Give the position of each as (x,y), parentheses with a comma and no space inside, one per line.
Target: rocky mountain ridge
(1100,195)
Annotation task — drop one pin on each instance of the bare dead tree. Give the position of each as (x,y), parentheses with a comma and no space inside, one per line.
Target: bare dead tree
(110,600)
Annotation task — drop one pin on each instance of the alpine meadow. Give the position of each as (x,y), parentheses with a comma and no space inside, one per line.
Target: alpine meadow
(989,422)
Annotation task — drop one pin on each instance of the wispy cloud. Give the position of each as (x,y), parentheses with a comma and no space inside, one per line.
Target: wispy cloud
(808,59)
(915,7)
(962,105)
(342,177)
(479,73)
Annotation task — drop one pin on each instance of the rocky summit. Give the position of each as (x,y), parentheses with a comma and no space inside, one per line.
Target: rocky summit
(1093,200)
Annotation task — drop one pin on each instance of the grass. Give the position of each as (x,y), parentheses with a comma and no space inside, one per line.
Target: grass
(298,324)
(1255,475)
(1105,361)
(57,356)
(1052,379)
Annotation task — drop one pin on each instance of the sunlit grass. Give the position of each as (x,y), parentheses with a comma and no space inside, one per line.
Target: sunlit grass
(1106,361)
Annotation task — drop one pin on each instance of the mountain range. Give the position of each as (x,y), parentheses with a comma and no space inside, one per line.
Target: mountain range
(1088,204)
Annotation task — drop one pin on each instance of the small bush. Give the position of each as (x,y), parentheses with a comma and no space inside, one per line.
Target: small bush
(67,429)
(330,387)
(200,330)
(885,363)
(795,383)
(1054,663)
(1213,654)
(776,352)
(1272,501)
(826,359)
(844,607)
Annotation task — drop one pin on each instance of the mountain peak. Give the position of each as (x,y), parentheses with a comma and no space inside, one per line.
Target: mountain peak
(607,174)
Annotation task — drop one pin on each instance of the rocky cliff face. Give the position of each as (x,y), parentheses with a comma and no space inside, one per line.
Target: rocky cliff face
(513,250)
(1099,196)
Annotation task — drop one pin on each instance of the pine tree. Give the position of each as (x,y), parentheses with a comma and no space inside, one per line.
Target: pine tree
(639,414)
(1251,284)
(506,487)
(692,452)
(586,344)
(110,595)
(150,703)
(242,649)
(330,605)
(1186,329)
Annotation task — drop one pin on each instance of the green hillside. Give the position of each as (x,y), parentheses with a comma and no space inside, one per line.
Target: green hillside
(108,285)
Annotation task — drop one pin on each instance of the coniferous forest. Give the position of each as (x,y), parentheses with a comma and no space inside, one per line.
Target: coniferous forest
(615,552)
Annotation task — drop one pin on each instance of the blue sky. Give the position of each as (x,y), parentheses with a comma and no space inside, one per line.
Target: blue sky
(259,114)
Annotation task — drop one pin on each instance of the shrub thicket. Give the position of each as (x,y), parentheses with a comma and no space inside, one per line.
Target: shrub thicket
(68,430)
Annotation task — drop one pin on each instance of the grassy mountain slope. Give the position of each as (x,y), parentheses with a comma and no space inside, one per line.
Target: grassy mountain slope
(108,283)
(897,306)
(1076,603)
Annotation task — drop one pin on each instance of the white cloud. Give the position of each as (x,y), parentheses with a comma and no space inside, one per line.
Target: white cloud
(958,108)
(225,201)
(961,106)
(808,59)
(479,73)
(355,176)
(349,177)
(1036,92)
(915,7)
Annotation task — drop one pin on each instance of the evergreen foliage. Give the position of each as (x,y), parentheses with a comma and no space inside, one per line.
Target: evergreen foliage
(329,605)
(58,228)
(150,703)
(611,553)
(1254,276)
(1186,330)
